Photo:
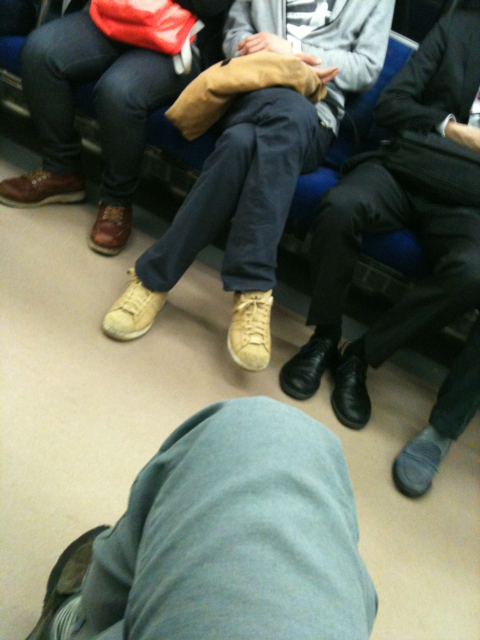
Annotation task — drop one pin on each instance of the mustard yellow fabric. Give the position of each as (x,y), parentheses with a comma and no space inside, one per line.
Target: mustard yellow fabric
(209,96)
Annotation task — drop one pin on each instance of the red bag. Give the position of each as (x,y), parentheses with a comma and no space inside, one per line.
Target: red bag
(161,25)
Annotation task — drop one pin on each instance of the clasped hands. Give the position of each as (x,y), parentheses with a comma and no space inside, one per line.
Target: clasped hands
(265,41)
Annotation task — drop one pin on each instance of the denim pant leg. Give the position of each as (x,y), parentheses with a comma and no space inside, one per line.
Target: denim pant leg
(55,56)
(289,141)
(242,526)
(138,82)
(459,396)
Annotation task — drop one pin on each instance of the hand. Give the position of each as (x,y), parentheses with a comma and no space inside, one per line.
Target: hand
(264,41)
(463,134)
(324,75)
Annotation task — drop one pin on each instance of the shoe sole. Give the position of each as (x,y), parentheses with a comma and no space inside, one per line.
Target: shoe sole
(126,337)
(348,423)
(292,392)
(241,364)
(402,488)
(65,198)
(105,251)
(38,631)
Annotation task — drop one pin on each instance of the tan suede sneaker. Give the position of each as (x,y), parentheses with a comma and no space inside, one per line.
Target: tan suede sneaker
(249,341)
(133,314)
(41,187)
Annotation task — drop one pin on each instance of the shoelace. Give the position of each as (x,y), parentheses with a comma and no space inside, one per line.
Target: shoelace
(38,175)
(256,317)
(113,214)
(137,296)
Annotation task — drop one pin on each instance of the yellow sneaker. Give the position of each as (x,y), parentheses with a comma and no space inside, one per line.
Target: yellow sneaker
(249,341)
(133,314)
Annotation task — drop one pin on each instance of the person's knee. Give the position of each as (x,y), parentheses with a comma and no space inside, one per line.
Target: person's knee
(113,92)
(338,212)
(293,112)
(240,140)
(38,51)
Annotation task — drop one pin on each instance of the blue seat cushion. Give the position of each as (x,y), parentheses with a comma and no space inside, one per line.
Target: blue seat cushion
(310,187)
(400,250)
(10,53)
(162,134)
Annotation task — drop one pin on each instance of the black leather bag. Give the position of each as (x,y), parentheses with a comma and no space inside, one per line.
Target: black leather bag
(428,164)
(437,168)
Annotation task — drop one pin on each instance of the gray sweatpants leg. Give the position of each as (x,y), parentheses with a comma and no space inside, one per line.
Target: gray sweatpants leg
(242,526)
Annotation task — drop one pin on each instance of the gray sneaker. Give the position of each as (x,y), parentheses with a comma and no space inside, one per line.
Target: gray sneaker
(416,464)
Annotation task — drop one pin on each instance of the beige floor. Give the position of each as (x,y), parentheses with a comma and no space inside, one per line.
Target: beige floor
(81,414)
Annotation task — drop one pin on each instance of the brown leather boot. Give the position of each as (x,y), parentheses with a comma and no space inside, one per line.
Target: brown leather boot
(111,229)
(41,187)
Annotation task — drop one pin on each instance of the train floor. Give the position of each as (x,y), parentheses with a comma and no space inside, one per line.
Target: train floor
(82,414)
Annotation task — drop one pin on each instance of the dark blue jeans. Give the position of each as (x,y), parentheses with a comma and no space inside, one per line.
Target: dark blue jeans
(131,82)
(269,137)
(459,396)
(17,17)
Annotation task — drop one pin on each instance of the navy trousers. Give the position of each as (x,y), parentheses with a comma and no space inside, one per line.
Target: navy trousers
(268,138)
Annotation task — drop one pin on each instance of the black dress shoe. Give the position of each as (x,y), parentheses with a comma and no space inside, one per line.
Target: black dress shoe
(300,377)
(350,399)
(65,580)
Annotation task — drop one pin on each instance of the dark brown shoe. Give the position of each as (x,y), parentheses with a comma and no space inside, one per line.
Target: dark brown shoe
(111,229)
(65,580)
(41,187)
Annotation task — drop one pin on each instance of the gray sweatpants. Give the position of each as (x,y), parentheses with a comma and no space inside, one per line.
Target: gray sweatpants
(243,526)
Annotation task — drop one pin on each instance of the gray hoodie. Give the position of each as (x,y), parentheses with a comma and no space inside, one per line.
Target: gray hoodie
(355,40)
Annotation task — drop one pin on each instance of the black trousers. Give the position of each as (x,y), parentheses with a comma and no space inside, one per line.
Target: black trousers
(459,396)
(269,137)
(370,199)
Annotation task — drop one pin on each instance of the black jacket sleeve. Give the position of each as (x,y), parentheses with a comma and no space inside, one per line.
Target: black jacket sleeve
(409,102)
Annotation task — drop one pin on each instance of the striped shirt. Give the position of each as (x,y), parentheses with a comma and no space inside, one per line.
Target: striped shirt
(303,17)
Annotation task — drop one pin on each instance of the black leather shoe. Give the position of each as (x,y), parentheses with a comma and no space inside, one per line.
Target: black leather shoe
(350,399)
(65,580)
(300,377)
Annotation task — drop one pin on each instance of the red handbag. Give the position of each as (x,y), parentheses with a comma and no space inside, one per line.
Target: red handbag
(161,25)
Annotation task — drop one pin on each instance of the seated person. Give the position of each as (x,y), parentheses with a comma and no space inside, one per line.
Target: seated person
(437,90)
(131,82)
(457,402)
(242,526)
(268,138)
